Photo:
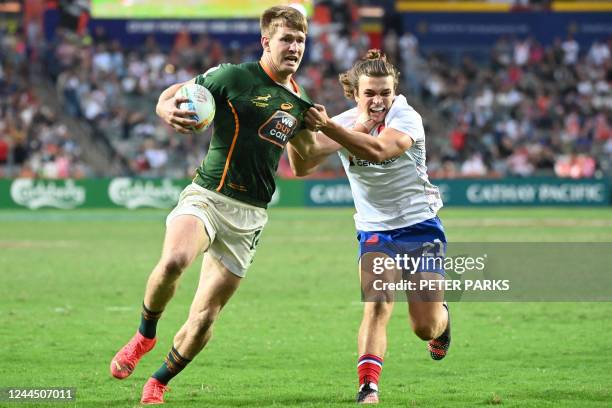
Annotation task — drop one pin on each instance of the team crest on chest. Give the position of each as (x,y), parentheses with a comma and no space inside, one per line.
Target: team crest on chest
(261,101)
(279,128)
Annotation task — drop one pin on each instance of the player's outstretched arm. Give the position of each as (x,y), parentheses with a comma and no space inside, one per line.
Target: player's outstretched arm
(390,142)
(168,109)
(307,150)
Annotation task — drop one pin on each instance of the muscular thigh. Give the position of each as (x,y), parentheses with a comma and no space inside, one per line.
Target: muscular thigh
(217,285)
(377,274)
(185,236)
(425,303)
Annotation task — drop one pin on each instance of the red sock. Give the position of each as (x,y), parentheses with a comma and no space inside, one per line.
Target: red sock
(369,367)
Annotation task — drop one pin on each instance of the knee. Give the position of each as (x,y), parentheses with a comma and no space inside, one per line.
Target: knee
(175,264)
(427,329)
(200,323)
(378,310)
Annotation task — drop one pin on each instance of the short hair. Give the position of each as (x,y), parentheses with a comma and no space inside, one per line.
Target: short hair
(279,16)
(374,64)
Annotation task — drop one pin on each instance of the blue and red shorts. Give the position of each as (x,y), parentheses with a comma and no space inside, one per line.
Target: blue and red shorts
(425,239)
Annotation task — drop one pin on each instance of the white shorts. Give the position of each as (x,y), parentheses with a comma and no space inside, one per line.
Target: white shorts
(232,226)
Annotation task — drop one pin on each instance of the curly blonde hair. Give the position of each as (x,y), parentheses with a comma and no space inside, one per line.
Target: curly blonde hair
(374,64)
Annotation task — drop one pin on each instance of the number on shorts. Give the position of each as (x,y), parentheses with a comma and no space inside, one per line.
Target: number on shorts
(255,240)
(432,246)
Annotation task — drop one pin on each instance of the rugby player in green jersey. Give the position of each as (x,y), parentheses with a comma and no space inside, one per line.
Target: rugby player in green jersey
(222,213)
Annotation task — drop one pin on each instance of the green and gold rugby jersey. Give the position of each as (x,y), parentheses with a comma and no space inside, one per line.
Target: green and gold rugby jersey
(255,118)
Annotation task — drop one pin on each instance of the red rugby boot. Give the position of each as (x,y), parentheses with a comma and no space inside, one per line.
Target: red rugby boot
(124,362)
(153,392)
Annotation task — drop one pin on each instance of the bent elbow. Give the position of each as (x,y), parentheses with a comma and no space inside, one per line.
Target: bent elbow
(300,172)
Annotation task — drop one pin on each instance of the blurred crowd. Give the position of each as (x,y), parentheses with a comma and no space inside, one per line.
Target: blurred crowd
(115,90)
(527,110)
(530,110)
(33,142)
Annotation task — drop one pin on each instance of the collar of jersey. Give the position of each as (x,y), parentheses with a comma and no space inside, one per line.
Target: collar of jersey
(268,71)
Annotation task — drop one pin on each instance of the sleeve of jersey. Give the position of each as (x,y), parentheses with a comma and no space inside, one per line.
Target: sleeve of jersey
(306,104)
(347,120)
(406,120)
(225,80)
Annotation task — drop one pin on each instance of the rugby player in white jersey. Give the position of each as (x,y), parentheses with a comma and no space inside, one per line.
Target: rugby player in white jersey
(381,143)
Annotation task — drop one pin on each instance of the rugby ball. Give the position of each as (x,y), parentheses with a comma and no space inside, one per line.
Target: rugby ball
(201,102)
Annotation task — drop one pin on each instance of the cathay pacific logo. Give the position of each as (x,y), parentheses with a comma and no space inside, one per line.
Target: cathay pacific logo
(331,194)
(35,194)
(134,193)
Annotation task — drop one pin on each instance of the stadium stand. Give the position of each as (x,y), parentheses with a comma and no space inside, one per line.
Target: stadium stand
(530,110)
(526,110)
(33,142)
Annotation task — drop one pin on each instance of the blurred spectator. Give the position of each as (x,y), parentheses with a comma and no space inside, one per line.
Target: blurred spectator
(599,53)
(474,166)
(571,48)
(575,166)
(521,52)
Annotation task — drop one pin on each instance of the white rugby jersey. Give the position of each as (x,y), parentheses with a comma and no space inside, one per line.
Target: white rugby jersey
(395,193)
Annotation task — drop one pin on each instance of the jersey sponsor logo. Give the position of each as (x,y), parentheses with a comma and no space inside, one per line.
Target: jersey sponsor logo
(261,101)
(35,194)
(279,128)
(354,161)
(286,106)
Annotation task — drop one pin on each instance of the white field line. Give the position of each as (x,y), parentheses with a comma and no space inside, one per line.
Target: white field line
(119,309)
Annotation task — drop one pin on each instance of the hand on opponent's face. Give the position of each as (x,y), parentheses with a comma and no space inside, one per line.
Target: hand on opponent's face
(369,121)
(377,117)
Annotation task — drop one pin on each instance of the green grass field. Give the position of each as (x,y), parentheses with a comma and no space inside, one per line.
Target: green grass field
(72,285)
